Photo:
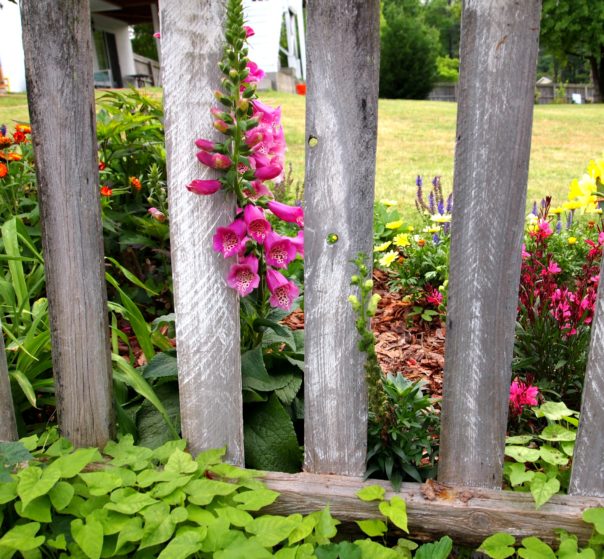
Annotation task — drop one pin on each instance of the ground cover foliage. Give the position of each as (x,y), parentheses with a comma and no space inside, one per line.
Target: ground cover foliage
(50,509)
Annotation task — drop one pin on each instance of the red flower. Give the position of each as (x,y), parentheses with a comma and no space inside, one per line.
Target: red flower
(19,137)
(3,170)
(102,166)
(106,191)
(136,184)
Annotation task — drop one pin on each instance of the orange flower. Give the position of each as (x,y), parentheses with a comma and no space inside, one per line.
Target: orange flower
(102,166)
(11,156)
(5,141)
(23,128)
(3,170)
(135,183)
(19,137)
(106,191)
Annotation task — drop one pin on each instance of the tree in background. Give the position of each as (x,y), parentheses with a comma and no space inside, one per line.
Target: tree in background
(143,42)
(576,28)
(409,51)
(445,16)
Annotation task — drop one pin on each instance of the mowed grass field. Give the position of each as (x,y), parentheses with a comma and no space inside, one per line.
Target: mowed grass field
(418,137)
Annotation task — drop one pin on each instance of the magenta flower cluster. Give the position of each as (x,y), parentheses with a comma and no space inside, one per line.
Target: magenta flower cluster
(253,154)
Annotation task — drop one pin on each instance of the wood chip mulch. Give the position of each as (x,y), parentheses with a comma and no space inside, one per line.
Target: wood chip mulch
(411,347)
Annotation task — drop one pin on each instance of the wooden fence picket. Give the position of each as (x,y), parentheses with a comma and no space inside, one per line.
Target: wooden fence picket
(587,477)
(341,127)
(8,425)
(58,62)
(207,310)
(499,48)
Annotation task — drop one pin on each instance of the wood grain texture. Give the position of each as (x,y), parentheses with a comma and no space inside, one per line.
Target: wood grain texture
(497,76)
(343,64)
(207,310)
(587,477)
(58,62)
(466,514)
(8,425)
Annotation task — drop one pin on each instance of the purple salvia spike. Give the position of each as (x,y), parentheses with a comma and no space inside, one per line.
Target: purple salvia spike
(558,224)
(441,207)
(436,239)
(449,203)
(534,210)
(418,181)
(432,206)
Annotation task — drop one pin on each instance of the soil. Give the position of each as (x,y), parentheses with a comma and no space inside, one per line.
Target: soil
(404,344)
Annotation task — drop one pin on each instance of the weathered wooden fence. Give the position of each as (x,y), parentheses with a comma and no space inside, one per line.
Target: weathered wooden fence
(499,49)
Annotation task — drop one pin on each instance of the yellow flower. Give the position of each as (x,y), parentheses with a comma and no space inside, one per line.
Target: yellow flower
(572,240)
(441,218)
(572,205)
(402,240)
(432,230)
(556,211)
(388,203)
(394,224)
(410,228)
(382,247)
(388,258)
(595,169)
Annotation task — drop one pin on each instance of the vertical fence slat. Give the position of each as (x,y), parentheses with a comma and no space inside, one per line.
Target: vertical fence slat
(498,64)
(207,311)
(343,65)
(58,62)
(8,425)
(587,477)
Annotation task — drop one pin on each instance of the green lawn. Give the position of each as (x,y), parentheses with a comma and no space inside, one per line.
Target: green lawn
(418,137)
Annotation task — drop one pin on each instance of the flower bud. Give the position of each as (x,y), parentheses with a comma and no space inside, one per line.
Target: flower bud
(354,280)
(233,73)
(373,304)
(368,285)
(353,300)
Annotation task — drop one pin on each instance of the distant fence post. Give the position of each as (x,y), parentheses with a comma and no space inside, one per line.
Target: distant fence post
(58,62)
(499,47)
(587,477)
(341,124)
(8,425)
(207,311)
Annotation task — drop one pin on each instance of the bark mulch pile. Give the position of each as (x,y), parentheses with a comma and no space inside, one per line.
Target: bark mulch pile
(408,346)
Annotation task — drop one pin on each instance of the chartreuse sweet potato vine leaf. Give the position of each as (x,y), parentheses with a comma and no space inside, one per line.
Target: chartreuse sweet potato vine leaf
(498,546)
(371,493)
(595,516)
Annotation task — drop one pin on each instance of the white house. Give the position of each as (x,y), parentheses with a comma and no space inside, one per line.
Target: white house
(268,18)
(114,63)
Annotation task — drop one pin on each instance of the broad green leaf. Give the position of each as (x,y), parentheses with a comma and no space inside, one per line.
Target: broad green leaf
(183,545)
(101,483)
(72,464)
(236,517)
(161,366)
(534,548)
(326,526)
(38,509)
(519,440)
(210,457)
(372,528)
(23,537)
(8,492)
(303,529)
(200,515)
(163,489)
(437,550)
(554,411)
(146,478)
(543,489)
(162,453)
(374,550)
(58,543)
(12,453)
(151,425)
(271,530)
(202,491)
(568,447)
(159,525)
(88,536)
(128,501)
(125,453)
(553,456)
(248,549)
(595,516)
(256,499)
(522,454)
(181,462)
(371,493)
(132,531)
(498,546)
(270,439)
(35,482)
(234,473)
(255,375)
(557,433)
(396,511)
(518,473)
